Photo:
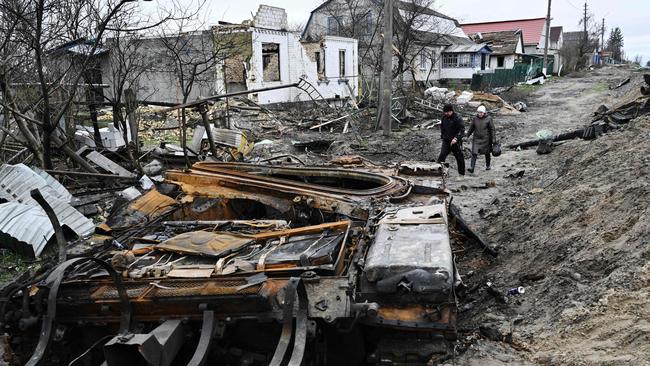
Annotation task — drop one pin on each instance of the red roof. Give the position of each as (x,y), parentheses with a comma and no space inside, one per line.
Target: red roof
(532,28)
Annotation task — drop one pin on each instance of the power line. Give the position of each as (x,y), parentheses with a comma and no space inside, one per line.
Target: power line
(570,3)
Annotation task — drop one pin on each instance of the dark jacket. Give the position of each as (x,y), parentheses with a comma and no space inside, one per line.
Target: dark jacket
(452,127)
(483,130)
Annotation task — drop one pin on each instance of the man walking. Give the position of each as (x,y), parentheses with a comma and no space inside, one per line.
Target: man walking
(452,130)
(483,129)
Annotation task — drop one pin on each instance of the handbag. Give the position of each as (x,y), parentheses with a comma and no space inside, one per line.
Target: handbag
(496,149)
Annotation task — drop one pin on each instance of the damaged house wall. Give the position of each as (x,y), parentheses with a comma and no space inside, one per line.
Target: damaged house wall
(278,57)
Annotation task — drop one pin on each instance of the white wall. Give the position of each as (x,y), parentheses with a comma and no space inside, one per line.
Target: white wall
(296,63)
(458,72)
(256,72)
(508,61)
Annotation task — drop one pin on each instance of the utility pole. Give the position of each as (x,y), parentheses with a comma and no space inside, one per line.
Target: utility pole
(384,114)
(548,32)
(584,23)
(585,38)
(602,42)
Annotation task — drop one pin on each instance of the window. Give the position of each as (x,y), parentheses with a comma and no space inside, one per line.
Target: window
(423,60)
(319,64)
(332,26)
(449,60)
(458,60)
(500,61)
(465,60)
(342,63)
(271,61)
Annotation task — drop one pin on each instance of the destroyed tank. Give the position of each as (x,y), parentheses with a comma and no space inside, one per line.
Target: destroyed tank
(243,264)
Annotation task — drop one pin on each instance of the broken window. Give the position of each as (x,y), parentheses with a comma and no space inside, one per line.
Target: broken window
(342,63)
(271,61)
(500,61)
(332,26)
(320,65)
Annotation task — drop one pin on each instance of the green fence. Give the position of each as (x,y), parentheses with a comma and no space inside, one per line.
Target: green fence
(500,77)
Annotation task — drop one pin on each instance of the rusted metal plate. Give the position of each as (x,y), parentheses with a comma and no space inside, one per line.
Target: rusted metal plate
(341,191)
(149,206)
(153,203)
(205,243)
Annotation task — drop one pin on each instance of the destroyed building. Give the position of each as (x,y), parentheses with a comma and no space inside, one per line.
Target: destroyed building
(269,55)
(507,48)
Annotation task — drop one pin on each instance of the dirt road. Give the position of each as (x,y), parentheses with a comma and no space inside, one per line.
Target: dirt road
(572,231)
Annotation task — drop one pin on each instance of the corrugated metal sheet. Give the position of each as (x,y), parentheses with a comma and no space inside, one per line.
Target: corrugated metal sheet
(16,182)
(26,225)
(61,191)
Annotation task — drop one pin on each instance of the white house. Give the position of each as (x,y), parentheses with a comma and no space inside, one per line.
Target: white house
(267,55)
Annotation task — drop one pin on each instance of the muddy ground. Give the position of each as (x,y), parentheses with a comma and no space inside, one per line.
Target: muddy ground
(572,231)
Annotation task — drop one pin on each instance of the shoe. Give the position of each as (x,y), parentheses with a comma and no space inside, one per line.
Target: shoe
(488,168)
(470,170)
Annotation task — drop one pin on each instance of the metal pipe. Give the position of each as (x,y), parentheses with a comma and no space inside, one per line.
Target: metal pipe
(85,174)
(233,94)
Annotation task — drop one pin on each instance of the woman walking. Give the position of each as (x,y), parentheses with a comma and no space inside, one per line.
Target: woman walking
(483,129)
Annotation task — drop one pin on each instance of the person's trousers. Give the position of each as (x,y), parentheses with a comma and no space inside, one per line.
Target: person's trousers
(475,156)
(455,149)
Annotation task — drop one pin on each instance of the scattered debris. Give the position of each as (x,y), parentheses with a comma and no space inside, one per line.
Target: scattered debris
(108,165)
(520,106)
(626,81)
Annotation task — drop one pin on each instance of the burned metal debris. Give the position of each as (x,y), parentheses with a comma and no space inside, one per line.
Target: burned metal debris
(320,261)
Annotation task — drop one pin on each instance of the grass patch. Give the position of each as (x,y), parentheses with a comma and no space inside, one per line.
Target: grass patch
(12,264)
(599,88)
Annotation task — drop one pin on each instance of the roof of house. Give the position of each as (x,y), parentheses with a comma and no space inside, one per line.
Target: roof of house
(410,6)
(532,28)
(501,43)
(573,36)
(555,33)
(399,4)
(457,44)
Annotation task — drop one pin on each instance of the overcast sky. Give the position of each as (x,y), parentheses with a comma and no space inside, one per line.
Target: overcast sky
(632,16)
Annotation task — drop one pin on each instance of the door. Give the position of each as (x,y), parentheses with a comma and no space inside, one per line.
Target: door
(483,61)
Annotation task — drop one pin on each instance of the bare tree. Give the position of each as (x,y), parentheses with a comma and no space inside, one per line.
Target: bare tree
(419,30)
(38,83)
(191,53)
